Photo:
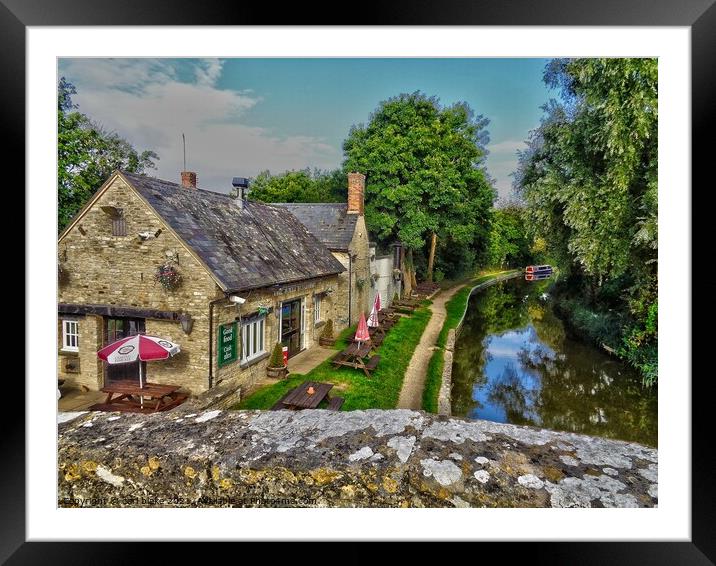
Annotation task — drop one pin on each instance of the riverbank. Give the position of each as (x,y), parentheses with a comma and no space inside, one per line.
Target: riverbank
(514,361)
(455,312)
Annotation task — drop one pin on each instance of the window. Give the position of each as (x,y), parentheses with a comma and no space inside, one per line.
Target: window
(252,339)
(119,226)
(317,309)
(70,336)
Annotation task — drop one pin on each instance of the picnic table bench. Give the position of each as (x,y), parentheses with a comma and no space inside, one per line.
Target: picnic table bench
(128,396)
(354,356)
(300,398)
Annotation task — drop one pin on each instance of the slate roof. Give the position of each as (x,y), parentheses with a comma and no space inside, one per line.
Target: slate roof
(329,222)
(257,246)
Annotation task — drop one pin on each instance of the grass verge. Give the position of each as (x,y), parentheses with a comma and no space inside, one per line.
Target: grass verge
(381,391)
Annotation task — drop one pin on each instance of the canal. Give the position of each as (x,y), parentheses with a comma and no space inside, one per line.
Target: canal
(515,362)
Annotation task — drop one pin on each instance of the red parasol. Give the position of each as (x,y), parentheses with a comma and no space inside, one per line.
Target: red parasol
(373,318)
(362,334)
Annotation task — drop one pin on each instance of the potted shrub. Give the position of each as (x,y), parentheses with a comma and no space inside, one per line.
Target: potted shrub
(275,366)
(326,338)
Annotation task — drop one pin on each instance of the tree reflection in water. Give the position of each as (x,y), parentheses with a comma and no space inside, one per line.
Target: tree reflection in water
(514,362)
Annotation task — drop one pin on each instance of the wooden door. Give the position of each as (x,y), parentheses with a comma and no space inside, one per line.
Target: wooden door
(116,329)
(291,326)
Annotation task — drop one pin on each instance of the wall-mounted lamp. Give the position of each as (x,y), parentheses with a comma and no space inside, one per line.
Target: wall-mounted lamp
(186,322)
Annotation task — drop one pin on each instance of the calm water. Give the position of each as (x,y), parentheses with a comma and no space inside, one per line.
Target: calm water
(515,363)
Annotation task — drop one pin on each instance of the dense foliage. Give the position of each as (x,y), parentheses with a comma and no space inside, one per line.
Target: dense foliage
(87,155)
(508,244)
(424,165)
(589,180)
(300,186)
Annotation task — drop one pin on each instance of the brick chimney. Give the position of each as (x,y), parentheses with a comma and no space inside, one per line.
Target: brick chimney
(188,179)
(356,192)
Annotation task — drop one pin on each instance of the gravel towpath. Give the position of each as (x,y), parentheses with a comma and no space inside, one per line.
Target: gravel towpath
(411,395)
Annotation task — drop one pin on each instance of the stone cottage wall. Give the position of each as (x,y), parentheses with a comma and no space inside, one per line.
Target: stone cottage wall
(360,247)
(119,270)
(246,375)
(341,295)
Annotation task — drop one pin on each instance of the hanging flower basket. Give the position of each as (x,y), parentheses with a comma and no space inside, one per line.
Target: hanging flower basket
(168,276)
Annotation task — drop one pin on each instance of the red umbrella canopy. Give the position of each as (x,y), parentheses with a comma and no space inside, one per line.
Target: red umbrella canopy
(376,303)
(139,347)
(362,334)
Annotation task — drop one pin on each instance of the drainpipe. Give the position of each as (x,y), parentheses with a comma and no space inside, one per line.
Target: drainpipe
(211,340)
(350,285)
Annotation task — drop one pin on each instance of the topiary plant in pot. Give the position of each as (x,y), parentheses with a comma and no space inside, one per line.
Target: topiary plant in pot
(275,366)
(327,338)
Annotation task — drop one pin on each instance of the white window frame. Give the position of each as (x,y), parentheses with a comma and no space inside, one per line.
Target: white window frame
(253,339)
(67,334)
(316,309)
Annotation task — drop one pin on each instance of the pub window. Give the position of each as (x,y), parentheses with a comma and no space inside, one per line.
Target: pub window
(317,309)
(70,336)
(252,339)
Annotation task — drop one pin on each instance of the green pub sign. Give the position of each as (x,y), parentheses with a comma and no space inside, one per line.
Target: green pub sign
(227,344)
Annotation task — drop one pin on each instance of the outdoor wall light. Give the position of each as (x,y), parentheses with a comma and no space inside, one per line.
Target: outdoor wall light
(186,322)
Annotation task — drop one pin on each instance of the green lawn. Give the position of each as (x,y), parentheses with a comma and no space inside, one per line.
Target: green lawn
(454,308)
(381,391)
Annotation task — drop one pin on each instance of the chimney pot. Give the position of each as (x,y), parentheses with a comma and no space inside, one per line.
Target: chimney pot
(188,179)
(356,193)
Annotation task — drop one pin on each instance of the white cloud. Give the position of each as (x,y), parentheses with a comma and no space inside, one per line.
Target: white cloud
(501,162)
(506,147)
(145,101)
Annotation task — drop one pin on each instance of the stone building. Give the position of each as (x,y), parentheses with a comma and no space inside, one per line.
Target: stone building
(342,229)
(251,275)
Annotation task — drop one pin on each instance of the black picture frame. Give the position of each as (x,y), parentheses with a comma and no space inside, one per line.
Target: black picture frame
(699,15)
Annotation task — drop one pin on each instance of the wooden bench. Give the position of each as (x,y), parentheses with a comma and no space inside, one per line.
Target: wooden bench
(278,405)
(335,403)
(339,357)
(372,363)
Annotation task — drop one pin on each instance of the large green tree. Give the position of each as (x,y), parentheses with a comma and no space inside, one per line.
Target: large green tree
(300,186)
(508,244)
(424,165)
(589,179)
(87,155)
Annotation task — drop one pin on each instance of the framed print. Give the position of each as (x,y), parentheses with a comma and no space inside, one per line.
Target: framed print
(386,279)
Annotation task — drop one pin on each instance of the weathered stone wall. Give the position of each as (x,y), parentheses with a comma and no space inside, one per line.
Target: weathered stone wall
(82,368)
(359,247)
(340,296)
(319,458)
(445,392)
(119,270)
(348,287)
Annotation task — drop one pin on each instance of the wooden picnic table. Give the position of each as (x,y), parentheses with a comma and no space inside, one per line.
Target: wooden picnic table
(299,398)
(354,356)
(126,395)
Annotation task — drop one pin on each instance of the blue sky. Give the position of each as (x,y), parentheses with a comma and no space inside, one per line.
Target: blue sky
(241,116)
